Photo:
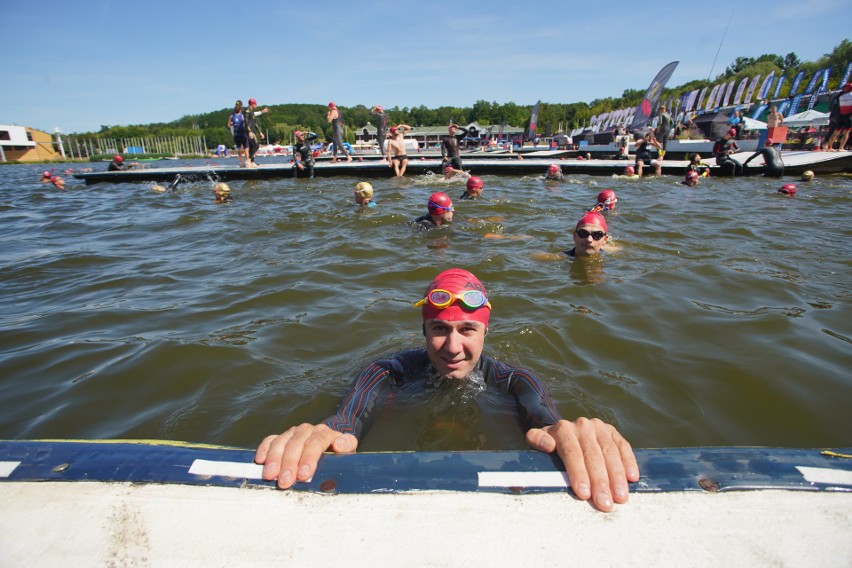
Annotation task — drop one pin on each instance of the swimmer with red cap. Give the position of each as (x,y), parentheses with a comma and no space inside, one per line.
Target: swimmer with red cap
(456,312)
(117,164)
(606,201)
(690,179)
(590,235)
(788,189)
(473,188)
(46,177)
(440,212)
(554,172)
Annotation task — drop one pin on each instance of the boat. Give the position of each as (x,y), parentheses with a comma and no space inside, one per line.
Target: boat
(144,502)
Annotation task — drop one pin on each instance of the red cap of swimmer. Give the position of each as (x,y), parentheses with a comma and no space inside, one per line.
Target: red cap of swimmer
(379,108)
(553,168)
(455,281)
(592,218)
(629,171)
(393,129)
(118,159)
(46,174)
(440,202)
(789,189)
(608,198)
(252,102)
(474,182)
(691,174)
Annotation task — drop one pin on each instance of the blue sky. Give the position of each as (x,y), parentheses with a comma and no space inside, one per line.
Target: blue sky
(79,65)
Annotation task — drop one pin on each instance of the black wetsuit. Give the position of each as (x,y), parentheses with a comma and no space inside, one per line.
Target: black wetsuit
(377,384)
(700,168)
(381,127)
(450,150)
(302,153)
(773,165)
(252,127)
(337,135)
(665,127)
(466,195)
(425,222)
(117,167)
(730,166)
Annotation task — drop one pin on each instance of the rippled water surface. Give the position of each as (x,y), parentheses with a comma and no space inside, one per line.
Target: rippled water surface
(723,317)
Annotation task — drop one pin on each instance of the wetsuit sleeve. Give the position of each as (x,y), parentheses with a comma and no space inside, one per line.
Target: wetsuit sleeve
(535,405)
(355,411)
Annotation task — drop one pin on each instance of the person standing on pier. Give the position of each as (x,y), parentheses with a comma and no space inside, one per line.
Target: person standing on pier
(665,126)
(381,126)
(450,147)
(254,131)
(303,157)
(237,125)
(336,121)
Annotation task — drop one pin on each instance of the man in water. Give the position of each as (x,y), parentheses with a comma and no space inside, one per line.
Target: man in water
(456,310)
(606,201)
(303,157)
(554,172)
(473,188)
(450,147)
(336,121)
(773,165)
(589,235)
(381,126)
(397,158)
(222,193)
(364,194)
(440,212)
(722,150)
(254,131)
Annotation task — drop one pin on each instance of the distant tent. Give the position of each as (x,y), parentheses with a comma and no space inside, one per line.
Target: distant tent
(751,124)
(712,125)
(808,118)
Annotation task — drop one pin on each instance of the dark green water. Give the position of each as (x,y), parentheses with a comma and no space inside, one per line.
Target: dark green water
(722,319)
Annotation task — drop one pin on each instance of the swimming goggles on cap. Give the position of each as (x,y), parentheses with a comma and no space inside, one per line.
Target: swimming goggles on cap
(434,205)
(470,299)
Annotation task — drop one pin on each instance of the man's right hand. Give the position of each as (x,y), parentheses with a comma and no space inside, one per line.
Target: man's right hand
(293,455)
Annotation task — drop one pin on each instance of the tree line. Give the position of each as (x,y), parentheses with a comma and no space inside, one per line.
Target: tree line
(282,120)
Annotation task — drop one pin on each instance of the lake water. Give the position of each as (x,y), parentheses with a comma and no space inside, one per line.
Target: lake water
(722,319)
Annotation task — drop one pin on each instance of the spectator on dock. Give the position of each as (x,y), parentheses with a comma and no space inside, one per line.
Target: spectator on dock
(722,150)
(455,313)
(397,158)
(440,212)
(336,120)
(237,125)
(736,122)
(664,126)
(644,155)
(773,165)
(381,126)
(254,131)
(773,120)
(840,118)
(303,157)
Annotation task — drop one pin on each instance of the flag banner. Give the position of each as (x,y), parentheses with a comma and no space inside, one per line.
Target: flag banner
(533,121)
(822,86)
(784,108)
(797,81)
(845,78)
(712,98)
(652,95)
(778,86)
(812,82)
(728,92)
(701,99)
(757,112)
(764,88)
(794,105)
(740,90)
(718,102)
(751,87)
(690,103)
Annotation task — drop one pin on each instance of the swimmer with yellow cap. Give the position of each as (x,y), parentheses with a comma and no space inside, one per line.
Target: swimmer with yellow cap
(364,194)
(222,192)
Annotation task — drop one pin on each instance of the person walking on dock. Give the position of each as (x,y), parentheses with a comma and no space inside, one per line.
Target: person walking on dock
(254,131)
(336,121)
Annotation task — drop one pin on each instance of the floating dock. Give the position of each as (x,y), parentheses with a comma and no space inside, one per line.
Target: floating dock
(479,163)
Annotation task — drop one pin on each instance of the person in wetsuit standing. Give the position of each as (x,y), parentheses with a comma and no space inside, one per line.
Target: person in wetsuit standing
(450,147)
(773,165)
(303,157)
(336,121)
(455,310)
(254,131)
(722,150)
(381,126)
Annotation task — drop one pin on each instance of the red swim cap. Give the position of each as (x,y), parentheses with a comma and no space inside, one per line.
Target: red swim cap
(608,198)
(46,174)
(629,170)
(393,129)
(789,189)
(553,168)
(691,174)
(252,102)
(439,202)
(592,218)
(118,158)
(474,182)
(379,108)
(455,280)
(331,105)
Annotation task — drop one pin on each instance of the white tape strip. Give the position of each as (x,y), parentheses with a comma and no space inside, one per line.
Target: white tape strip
(227,469)
(6,468)
(523,479)
(824,475)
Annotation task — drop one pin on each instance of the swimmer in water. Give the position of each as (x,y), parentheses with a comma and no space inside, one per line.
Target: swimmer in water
(589,235)
(788,189)
(455,311)
(807,175)
(222,193)
(606,201)
(46,177)
(364,195)
(773,165)
(58,182)
(440,212)
(690,179)
(473,189)
(554,172)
